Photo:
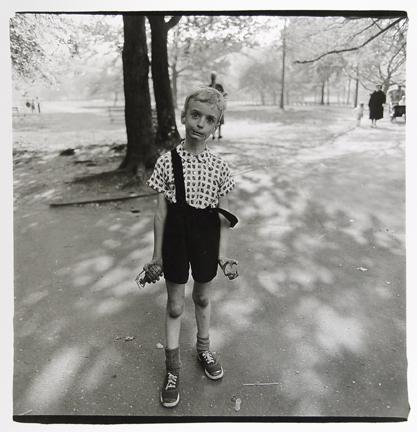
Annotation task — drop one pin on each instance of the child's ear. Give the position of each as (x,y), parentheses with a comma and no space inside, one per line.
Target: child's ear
(183,117)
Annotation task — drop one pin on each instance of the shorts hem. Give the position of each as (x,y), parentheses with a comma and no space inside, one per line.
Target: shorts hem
(204,280)
(175,280)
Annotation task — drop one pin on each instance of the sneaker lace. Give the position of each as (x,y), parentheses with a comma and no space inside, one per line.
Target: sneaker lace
(172,381)
(208,357)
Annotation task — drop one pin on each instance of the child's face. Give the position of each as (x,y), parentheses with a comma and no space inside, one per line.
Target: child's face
(200,120)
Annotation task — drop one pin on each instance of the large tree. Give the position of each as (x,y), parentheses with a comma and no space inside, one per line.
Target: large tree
(167,133)
(140,134)
(262,78)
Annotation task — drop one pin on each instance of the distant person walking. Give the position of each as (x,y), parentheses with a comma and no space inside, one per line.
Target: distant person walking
(32,106)
(359,110)
(219,88)
(376,105)
(38,105)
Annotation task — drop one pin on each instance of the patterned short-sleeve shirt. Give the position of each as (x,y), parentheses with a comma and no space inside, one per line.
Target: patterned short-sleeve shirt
(207,177)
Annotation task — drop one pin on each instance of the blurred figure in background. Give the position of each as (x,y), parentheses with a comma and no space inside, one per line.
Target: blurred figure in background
(219,88)
(376,105)
(359,110)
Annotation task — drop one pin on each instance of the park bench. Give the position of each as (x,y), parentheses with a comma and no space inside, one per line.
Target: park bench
(117,115)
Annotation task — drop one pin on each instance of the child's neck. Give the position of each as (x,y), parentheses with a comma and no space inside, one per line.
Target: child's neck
(194,147)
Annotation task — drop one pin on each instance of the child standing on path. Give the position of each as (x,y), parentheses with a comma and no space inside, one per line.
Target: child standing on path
(190,228)
(359,110)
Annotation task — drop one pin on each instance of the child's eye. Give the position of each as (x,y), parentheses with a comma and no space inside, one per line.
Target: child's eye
(194,115)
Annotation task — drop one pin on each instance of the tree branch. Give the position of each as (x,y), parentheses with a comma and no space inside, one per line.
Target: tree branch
(363,30)
(182,69)
(172,22)
(338,51)
(376,22)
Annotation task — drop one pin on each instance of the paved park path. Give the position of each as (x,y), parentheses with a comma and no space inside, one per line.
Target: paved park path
(314,325)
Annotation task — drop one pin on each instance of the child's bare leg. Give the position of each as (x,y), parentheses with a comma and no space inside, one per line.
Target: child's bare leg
(169,395)
(175,308)
(208,360)
(202,308)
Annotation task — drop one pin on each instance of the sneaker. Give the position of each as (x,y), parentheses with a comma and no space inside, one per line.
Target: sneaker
(169,393)
(212,366)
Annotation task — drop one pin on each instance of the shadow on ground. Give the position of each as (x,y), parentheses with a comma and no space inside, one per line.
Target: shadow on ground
(315,325)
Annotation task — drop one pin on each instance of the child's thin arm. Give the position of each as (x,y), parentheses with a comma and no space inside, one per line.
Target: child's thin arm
(154,268)
(158,228)
(228,265)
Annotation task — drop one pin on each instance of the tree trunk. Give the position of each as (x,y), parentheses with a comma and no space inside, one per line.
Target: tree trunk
(174,71)
(355,103)
(167,134)
(348,92)
(328,92)
(284,49)
(174,77)
(323,84)
(138,117)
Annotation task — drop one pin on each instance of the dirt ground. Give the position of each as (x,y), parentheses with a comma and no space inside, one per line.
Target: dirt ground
(314,325)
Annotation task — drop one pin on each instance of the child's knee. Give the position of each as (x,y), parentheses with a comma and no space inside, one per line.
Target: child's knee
(201,299)
(175,309)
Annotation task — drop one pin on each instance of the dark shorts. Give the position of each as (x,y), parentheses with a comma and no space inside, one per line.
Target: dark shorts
(191,237)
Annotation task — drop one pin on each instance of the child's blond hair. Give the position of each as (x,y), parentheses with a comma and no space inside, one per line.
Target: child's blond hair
(208,95)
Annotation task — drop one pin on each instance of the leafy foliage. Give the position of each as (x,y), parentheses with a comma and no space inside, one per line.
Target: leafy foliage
(39,44)
(262,78)
(377,46)
(201,44)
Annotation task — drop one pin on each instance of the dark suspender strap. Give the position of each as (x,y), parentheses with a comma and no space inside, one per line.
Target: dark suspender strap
(178,177)
(180,188)
(229,216)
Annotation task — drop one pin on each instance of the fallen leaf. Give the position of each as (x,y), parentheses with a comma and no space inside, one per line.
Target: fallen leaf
(362,269)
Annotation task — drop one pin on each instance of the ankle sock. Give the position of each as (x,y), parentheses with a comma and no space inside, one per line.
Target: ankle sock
(172,360)
(203,344)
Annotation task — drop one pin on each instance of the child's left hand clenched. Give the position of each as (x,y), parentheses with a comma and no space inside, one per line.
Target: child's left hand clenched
(229,267)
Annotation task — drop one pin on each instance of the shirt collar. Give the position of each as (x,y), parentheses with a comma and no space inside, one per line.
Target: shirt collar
(187,156)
